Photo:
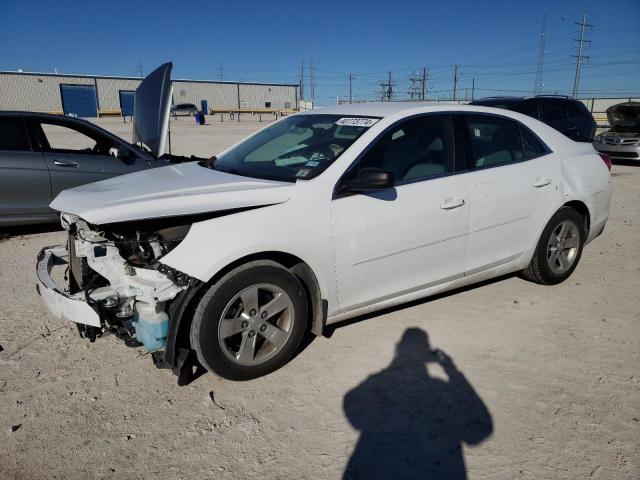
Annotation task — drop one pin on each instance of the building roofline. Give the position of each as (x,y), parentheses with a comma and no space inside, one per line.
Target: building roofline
(117,77)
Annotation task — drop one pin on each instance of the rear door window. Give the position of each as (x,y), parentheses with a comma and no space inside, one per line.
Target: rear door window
(493,141)
(13,135)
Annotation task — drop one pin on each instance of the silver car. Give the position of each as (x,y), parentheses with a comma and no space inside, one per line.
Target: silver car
(43,154)
(184,109)
(622,140)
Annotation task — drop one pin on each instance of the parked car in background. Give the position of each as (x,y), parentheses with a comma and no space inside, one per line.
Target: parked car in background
(319,217)
(184,109)
(566,115)
(42,154)
(622,140)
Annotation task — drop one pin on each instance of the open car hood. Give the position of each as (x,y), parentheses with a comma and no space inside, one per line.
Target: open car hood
(625,114)
(151,110)
(184,189)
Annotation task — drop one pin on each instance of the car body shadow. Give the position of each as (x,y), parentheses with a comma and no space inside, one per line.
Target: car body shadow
(20,230)
(413,425)
(330,329)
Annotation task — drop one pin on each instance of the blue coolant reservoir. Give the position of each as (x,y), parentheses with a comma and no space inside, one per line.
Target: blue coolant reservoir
(151,326)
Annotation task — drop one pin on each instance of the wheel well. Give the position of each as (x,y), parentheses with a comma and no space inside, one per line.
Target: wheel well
(304,273)
(582,209)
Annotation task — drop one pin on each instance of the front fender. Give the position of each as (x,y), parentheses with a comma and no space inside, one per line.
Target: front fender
(212,245)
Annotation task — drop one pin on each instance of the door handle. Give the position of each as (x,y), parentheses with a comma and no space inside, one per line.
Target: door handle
(451,203)
(64,163)
(541,182)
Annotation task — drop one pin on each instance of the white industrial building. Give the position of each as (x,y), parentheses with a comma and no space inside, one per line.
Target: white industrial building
(96,95)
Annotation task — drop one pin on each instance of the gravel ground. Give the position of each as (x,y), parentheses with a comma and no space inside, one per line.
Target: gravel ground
(504,380)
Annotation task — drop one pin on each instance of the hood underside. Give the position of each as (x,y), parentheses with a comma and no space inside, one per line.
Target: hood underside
(151,108)
(626,115)
(184,189)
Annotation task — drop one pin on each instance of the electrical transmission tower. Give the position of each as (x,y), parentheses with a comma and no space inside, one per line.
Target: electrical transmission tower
(386,93)
(537,86)
(415,88)
(583,24)
(350,88)
(140,70)
(221,71)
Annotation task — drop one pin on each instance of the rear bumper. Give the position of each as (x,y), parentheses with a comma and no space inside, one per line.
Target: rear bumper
(60,303)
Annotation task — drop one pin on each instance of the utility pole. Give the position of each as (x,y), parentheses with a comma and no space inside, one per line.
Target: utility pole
(350,89)
(221,71)
(302,79)
(473,87)
(537,86)
(313,85)
(455,80)
(580,56)
(424,83)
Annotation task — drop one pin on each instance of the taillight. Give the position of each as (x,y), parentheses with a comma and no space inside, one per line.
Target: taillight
(606,159)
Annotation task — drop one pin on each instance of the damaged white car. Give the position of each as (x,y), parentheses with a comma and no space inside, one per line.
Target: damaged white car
(319,217)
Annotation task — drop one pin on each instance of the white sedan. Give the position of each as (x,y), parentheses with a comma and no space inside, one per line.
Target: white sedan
(322,216)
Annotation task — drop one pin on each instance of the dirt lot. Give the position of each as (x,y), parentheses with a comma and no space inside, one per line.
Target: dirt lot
(535,382)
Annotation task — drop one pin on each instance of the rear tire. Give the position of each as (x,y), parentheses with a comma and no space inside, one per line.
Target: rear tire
(251,321)
(559,249)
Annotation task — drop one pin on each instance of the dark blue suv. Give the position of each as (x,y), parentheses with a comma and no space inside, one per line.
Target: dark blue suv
(566,115)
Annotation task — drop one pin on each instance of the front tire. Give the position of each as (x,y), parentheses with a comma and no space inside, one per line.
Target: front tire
(559,249)
(251,321)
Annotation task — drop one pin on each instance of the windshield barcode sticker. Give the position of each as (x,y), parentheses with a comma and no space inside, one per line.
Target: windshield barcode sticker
(356,122)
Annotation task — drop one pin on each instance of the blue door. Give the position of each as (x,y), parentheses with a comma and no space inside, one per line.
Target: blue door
(79,100)
(204,107)
(127,98)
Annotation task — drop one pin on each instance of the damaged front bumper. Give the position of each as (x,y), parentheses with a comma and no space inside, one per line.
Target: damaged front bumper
(128,301)
(60,303)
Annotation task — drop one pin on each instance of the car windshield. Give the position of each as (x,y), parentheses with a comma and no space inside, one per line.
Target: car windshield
(298,147)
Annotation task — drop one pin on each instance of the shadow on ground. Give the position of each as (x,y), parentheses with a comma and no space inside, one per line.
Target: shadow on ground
(8,232)
(411,424)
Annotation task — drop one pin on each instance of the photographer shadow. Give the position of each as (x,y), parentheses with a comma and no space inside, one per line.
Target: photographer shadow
(411,424)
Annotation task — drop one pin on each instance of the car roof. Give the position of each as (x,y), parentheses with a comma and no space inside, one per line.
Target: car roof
(386,109)
(383,109)
(500,99)
(40,115)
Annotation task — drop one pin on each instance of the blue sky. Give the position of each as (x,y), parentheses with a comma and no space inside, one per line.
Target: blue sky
(495,42)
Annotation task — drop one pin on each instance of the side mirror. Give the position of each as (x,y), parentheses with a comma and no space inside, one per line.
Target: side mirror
(369,179)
